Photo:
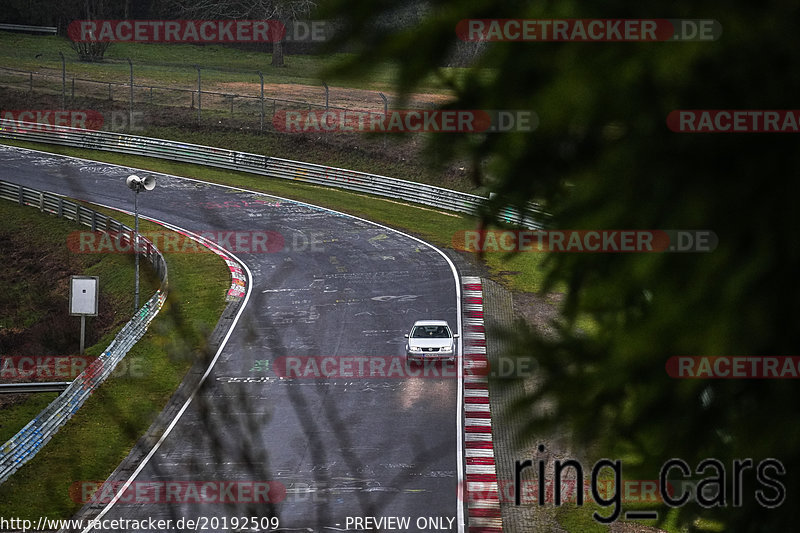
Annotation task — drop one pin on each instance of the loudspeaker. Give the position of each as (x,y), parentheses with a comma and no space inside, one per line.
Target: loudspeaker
(136,183)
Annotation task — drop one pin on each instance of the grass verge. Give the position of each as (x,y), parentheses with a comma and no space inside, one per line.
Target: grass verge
(93,443)
(522,272)
(173,63)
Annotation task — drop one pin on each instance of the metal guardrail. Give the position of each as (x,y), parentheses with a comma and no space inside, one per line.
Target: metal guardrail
(17,388)
(273,167)
(30,439)
(24,27)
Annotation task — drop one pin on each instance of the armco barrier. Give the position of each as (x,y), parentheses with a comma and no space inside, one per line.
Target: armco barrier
(25,444)
(273,167)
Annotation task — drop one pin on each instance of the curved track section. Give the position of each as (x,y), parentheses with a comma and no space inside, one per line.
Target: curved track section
(333,449)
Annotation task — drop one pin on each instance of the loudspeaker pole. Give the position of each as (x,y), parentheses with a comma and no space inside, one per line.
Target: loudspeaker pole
(136,247)
(137,184)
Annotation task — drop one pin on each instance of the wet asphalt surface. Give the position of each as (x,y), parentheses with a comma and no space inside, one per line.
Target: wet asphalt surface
(330,447)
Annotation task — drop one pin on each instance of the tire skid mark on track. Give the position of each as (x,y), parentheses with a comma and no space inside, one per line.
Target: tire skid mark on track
(289,205)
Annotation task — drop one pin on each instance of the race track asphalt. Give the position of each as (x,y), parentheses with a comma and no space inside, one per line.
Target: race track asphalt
(339,287)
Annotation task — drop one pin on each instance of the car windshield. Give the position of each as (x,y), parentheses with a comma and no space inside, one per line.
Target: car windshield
(430,332)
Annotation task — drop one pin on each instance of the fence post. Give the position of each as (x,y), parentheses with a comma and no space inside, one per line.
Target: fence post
(326,94)
(73,89)
(63,81)
(130,104)
(385,114)
(199,92)
(30,82)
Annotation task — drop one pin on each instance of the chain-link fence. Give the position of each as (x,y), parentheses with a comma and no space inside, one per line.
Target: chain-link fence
(203,96)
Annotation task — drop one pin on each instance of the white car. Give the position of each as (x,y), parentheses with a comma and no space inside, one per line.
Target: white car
(430,340)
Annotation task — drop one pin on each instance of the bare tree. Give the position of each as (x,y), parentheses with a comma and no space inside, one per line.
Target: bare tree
(284,11)
(93,50)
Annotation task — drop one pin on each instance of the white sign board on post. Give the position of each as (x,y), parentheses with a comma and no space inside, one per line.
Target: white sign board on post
(83,297)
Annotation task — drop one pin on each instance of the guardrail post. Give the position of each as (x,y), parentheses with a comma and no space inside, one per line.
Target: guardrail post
(30,82)
(60,207)
(72,97)
(327,92)
(21,198)
(41,201)
(261,75)
(94,220)
(110,94)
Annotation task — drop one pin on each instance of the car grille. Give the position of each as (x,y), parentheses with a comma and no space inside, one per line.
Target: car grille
(430,349)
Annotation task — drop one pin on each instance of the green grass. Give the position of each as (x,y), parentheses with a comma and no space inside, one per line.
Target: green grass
(579,519)
(25,301)
(93,443)
(525,271)
(576,519)
(283,146)
(436,227)
(17,416)
(173,64)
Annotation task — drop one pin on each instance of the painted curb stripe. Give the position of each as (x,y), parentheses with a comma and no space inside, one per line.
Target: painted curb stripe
(483,502)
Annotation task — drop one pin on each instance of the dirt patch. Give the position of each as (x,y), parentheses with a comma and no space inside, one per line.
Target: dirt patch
(34,302)
(349,98)
(538,310)
(393,154)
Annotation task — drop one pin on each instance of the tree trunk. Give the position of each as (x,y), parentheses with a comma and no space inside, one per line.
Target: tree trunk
(277,54)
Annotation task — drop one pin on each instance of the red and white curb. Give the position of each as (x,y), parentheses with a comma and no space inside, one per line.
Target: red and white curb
(238,278)
(483,503)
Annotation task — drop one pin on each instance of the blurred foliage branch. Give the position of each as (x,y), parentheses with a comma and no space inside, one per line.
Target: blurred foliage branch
(603,158)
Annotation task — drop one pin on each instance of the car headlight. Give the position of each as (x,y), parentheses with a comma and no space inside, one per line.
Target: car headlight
(415,349)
